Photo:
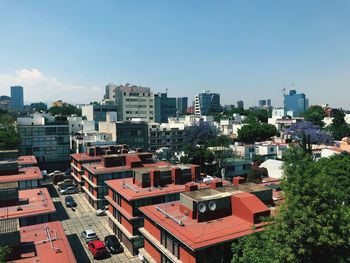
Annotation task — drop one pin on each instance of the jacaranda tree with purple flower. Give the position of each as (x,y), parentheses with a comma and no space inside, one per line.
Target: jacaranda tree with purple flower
(307,129)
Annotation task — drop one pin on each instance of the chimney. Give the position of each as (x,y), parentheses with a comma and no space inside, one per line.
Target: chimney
(215,184)
(189,187)
(238,180)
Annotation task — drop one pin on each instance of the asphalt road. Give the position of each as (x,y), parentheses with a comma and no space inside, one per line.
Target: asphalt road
(81,218)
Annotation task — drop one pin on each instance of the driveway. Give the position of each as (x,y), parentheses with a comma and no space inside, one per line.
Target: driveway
(81,218)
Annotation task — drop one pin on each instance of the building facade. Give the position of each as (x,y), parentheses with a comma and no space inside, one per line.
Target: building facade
(165,107)
(134,102)
(47,138)
(132,133)
(166,135)
(181,105)
(296,103)
(17,99)
(148,186)
(206,102)
(202,226)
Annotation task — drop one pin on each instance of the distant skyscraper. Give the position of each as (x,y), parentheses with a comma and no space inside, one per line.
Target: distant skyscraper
(263,104)
(165,107)
(240,104)
(296,102)
(181,104)
(206,102)
(17,98)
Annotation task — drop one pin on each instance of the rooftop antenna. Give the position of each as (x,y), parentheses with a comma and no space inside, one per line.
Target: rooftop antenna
(166,91)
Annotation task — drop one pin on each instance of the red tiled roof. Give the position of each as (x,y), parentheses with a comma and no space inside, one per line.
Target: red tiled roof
(197,235)
(38,202)
(24,174)
(45,251)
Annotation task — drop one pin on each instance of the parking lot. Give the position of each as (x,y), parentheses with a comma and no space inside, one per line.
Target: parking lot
(83,217)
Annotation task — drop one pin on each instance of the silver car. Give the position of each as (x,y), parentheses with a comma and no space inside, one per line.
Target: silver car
(88,235)
(68,190)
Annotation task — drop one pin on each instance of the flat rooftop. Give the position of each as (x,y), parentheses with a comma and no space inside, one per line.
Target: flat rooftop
(84,157)
(24,174)
(36,245)
(27,160)
(32,202)
(100,169)
(197,235)
(130,191)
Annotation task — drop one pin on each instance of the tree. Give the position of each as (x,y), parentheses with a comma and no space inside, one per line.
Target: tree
(256,132)
(313,223)
(305,128)
(9,136)
(200,133)
(4,252)
(339,128)
(259,115)
(65,110)
(315,114)
(197,155)
(221,140)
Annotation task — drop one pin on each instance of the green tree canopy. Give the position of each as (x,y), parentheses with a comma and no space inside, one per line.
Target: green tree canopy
(9,136)
(315,114)
(339,128)
(254,132)
(313,223)
(65,110)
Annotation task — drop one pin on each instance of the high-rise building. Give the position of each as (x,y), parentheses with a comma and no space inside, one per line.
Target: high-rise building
(134,102)
(296,103)
(109,96)
(17,98)
(206,102)
(263,104)
(240,104)
(164,106)
(181,104)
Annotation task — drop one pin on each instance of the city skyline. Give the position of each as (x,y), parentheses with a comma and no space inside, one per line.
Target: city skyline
(241,50)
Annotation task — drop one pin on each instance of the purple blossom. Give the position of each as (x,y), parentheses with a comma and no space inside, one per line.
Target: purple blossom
(317,136)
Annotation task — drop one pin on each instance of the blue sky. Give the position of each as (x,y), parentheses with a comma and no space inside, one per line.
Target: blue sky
(242,49)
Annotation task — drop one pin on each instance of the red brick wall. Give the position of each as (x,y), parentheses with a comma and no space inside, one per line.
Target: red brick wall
(186,257)
(127,224)
(126,206)
(152,251)
(152,229)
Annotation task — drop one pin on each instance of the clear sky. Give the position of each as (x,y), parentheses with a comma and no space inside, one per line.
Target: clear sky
(242,49)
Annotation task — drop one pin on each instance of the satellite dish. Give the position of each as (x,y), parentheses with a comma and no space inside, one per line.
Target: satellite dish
(212,205)
(202,208)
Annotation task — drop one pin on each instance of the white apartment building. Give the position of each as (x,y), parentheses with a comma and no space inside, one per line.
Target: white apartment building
(134,102)
(166,135)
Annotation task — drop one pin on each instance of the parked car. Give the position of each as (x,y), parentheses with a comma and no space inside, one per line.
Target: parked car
(57,172)
(68,190)
(88,235)
(65,183)
(70,202)
(97,248)
(113,244)
(101,211)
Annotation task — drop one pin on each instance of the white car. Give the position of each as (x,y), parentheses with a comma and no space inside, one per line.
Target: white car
(68,190)
(57,172)
(88,235)
(101,211)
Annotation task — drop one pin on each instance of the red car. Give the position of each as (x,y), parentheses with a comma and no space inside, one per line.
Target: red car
(97,248)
